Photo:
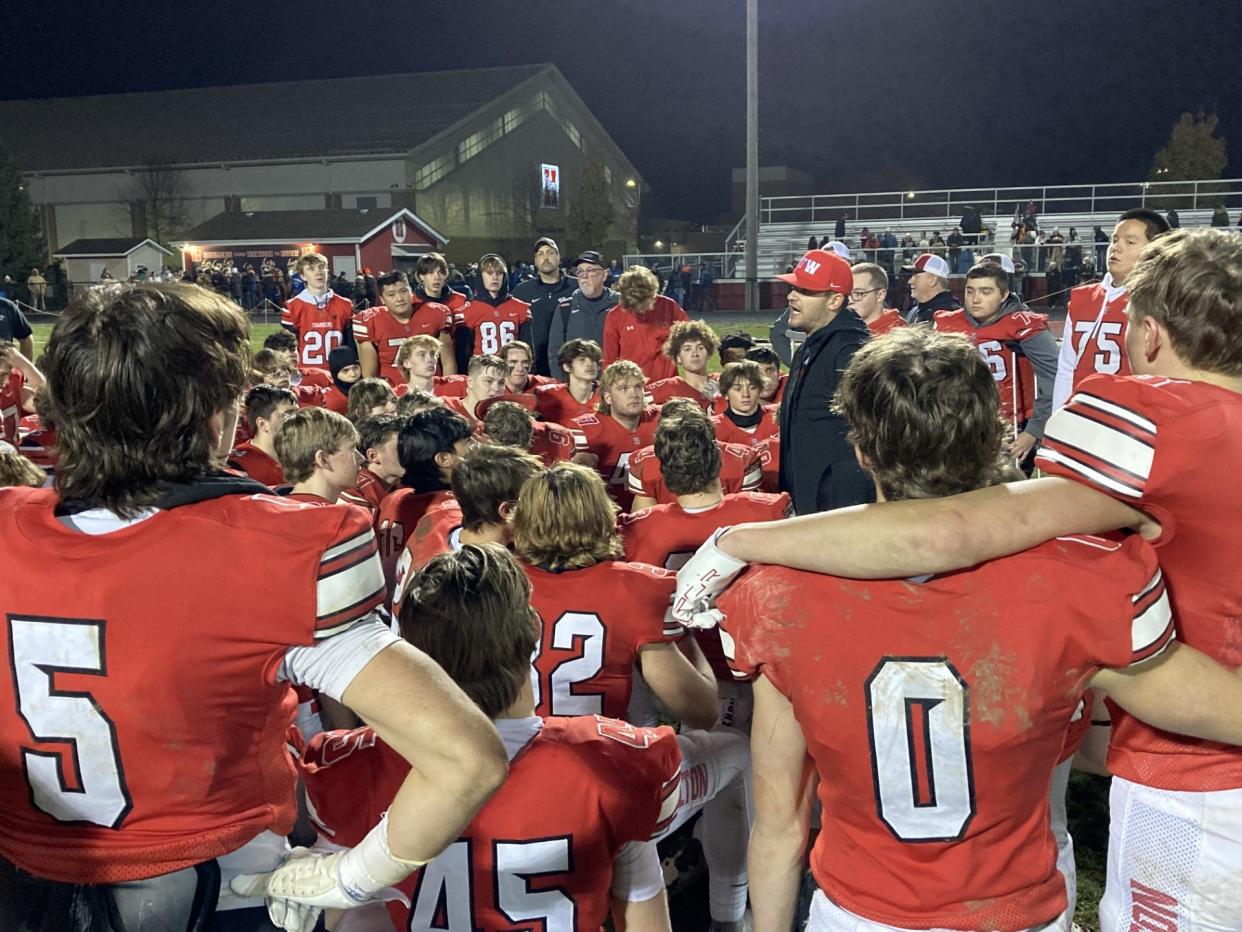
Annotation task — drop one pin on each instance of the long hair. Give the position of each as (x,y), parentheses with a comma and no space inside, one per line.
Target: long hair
(134,377)
(564,519)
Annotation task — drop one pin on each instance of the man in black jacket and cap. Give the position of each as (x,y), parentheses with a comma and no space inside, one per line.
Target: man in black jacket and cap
(929,286)
(818,467)
(547,291)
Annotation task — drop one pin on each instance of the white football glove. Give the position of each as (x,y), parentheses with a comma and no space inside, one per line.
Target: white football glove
(308,882)
(703,577)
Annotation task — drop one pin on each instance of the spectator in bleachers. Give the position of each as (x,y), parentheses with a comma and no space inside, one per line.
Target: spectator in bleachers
(1101,243)
(839,230)
(1172,218)
(954,242)
(1220,218)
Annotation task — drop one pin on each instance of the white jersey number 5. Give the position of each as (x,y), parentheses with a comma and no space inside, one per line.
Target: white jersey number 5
(91,786)
(919,724)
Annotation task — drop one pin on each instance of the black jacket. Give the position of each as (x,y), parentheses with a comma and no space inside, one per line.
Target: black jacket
(923,313)
(818,467)
(544,300)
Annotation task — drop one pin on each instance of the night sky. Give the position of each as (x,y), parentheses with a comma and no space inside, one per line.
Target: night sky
(866,94)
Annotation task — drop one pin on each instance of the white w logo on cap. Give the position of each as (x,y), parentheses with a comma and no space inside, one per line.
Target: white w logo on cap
(810,265)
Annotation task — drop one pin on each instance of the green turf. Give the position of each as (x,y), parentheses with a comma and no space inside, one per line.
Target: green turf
(258,333)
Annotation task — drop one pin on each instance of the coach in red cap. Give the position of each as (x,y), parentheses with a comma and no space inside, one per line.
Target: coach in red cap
(818,468)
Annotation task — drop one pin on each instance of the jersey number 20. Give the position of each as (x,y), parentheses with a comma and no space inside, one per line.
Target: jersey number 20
(919,725)
(81,780)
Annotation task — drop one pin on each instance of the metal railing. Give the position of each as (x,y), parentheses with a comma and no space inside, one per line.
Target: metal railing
(718,264)
(949,204)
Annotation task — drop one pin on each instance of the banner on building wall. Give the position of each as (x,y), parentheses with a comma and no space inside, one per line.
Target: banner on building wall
(551,186)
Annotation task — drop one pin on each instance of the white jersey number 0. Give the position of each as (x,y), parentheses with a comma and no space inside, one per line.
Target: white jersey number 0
(919,724)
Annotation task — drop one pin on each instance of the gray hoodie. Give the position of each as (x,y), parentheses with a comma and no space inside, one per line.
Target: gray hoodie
(581,318)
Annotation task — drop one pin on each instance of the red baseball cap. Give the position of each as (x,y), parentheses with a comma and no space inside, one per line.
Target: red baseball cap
(821,270)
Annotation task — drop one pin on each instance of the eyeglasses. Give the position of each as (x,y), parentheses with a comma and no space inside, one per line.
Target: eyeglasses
(859,295)
(587,273)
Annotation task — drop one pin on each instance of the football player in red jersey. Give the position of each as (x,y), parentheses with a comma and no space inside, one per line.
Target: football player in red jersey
(602,618)
(175,610)
(1017,346)
(637,328)
(380,332)
(744,419)
(318,450)
(286,343)
(741,468)
(485,379)
(579,394)
(690,344)
(773,379)
(429,446)
(485,488)
(19,380)
(517,357)
(321,319)
(1094,339)
(583,799)
(624,424)
(867,299)
(431,271)
(266,408)
(492,318)
(511,424)
(935,741)
(417,359)
(381,468)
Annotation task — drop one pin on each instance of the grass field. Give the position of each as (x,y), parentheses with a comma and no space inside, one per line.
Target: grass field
(1088,795)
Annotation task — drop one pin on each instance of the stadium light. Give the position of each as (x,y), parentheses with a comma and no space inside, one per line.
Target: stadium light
(659,244)
(631,183)
(910,196)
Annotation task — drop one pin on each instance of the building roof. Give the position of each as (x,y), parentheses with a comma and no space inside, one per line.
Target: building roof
(115,246)
(373,115)
(301,226)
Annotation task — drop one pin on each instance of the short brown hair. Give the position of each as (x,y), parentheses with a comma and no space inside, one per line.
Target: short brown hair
(269,362)
(17,470)
(686,331)
(411,403)
(492,263)
(470,612)
(572,349)
(924,413)
(564,519)
(688,454)
(483,361)
(365,394)
(1191,282)
(637,288)
(509,424)
(429,262)
(486,478)
(990,270)
(134,375)
(308,259)
(516,344)
(876,273)
(619,371)
(418,341)
(735,372)
(262,402)
(307,432)
(679,406)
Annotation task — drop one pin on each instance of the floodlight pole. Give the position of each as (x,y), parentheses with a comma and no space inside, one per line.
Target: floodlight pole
(752,156)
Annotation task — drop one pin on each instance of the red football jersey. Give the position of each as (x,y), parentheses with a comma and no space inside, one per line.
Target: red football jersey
(378,327)
(320,325)
(729,432)
(437,532)
(314,377)
(998,345)
(668,535)
(11,409)
(741,470)
(595,620)
(770,462)
(493,326)
(935,713)
(532,382)
(368,493)
(1097,329)
(552,443)
(39,446)
(888,319)
(539,854)
(780,389)
(640,337)
(677,387)
(311,396)
(257,464)
(1168,448)
(151,731)
(399,514)
(555,403)
(605,436)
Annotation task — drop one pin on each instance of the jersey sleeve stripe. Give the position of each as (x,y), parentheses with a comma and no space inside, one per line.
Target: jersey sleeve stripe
(1108,407)
(351,545)
(1048,456)
(360,330)
(753,476)
(1152,627)
(670,796)
(349,594)
(634,483)
(1076,429)
(326,627)
(729,647)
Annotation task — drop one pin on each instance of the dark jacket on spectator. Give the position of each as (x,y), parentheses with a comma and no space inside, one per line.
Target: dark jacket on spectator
(579,318)
(544,300)
(923,313)
(818,468)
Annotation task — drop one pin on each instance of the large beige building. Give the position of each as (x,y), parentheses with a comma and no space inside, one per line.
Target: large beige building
(488,156)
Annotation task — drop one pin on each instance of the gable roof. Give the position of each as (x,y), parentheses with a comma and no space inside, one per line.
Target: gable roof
(290,226)
(115,246)
(371,115)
